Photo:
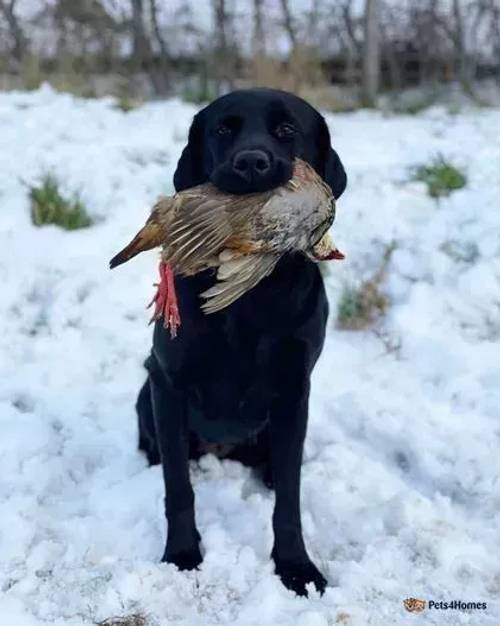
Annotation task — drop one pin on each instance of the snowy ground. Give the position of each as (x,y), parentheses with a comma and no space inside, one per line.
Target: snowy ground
(401,480)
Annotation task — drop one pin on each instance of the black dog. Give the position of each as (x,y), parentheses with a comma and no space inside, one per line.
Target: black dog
(237,382)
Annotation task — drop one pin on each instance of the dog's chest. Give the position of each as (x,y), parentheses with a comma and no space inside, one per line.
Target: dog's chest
(230,399)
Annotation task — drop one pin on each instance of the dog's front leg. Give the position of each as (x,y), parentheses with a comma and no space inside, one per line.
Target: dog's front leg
(288,426)
(169,410)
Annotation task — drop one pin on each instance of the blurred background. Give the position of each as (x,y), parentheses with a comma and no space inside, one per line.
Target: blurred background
(340,54)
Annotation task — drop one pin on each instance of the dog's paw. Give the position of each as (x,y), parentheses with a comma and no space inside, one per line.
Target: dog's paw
(295,576)
(184,560)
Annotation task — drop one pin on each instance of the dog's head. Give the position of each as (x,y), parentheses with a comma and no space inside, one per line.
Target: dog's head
(246,141)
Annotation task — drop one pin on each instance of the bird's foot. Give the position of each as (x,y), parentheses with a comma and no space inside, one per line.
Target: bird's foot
(165,300)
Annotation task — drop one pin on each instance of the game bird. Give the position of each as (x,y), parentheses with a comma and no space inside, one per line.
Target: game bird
(242,236)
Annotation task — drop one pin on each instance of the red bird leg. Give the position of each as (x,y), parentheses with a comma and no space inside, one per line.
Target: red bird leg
(165,300)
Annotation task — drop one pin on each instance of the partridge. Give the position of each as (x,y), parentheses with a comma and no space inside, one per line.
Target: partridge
(243,236)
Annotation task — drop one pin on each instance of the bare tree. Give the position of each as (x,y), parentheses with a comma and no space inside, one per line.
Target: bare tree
(289,23)
(141,47)
(458,38)
(388,20)
(221,24)
(424,18)
(225,50)
(313,18)
(351,26)
(19,41)
(454,28)
(394,43)
(371,53)
(494,31)
(160,79)
(348,29)
(259,34)
(85,30)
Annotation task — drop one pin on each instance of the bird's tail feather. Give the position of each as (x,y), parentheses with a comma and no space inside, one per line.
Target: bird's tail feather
(149,237)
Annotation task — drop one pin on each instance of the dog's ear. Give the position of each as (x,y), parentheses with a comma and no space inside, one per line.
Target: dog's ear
(330,165)
(191,166)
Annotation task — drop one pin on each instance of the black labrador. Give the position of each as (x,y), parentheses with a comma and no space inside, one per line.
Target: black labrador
(236,383)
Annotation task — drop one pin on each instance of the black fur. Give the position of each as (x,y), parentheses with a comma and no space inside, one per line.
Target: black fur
(237,382)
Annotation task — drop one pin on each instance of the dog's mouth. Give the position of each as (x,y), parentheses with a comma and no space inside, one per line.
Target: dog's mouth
(227,179)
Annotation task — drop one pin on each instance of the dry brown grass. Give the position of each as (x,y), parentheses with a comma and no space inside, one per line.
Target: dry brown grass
(301,74)
(65,78)
(331,98)
(301,68)
(134,619)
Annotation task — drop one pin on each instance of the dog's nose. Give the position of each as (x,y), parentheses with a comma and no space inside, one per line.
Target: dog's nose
(252,163)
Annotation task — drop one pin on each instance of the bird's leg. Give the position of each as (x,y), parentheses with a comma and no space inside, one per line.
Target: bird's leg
(165,300)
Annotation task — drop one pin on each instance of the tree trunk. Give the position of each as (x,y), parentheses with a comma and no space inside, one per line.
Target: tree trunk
(313,23)
(371,53)
(465,72)
(288,23)
(495,34)
(19,41)
(161,80)
(429,45)
(141,49)
(224,61)
(350,28)
(259,37)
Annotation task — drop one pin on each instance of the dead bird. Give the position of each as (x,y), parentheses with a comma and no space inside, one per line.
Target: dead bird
(243,236)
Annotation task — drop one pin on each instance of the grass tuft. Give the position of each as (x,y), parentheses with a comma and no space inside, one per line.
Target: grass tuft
(441,177)
(360,307)
(199,92)
(49,206)
(413,107)
(126,104)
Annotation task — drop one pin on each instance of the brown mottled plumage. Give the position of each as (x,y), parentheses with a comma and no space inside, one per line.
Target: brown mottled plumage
(244,236)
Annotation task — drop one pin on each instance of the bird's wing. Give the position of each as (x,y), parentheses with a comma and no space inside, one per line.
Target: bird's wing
(235,277)
(200,230)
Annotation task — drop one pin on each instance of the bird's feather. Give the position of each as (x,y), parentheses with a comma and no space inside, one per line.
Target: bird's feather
(197,233)
(235,277)
(150,236)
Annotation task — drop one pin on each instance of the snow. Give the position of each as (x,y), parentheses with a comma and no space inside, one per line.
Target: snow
(401,477)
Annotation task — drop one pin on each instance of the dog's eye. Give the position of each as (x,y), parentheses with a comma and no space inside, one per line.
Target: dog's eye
(223,129)
(285,130)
